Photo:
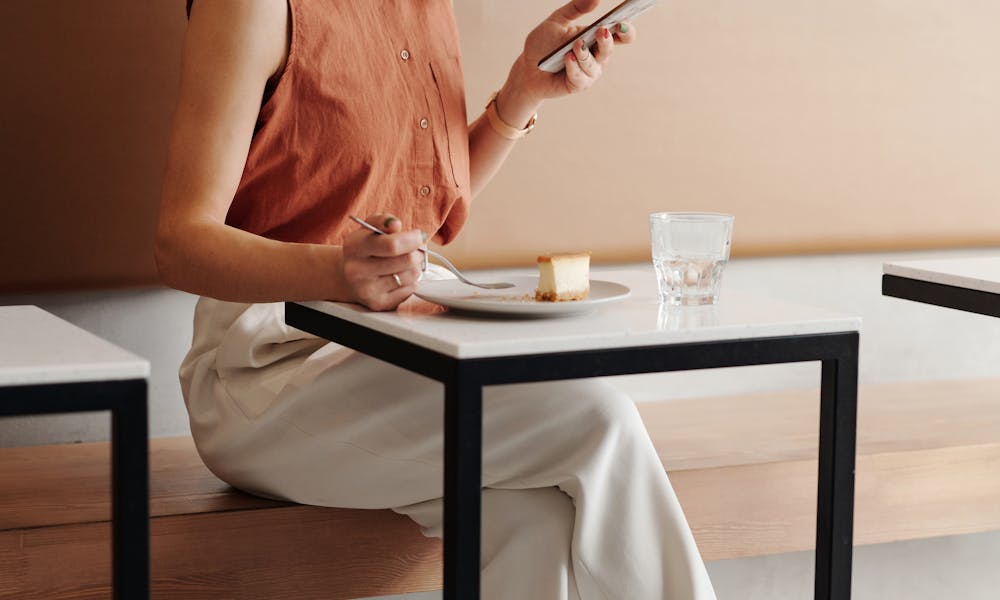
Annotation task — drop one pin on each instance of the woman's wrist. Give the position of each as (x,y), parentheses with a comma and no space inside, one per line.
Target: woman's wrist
(515,104)
(329,259)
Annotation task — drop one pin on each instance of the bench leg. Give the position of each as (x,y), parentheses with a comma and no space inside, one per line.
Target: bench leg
(463,433)
(835,501)
(130,493)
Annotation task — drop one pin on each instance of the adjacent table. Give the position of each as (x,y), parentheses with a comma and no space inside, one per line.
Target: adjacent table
(467,352)
(969,284)
(48,366)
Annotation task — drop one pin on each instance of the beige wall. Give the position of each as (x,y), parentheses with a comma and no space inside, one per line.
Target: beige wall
(823,126)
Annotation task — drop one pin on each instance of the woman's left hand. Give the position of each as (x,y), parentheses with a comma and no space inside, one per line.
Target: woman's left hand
(527,85)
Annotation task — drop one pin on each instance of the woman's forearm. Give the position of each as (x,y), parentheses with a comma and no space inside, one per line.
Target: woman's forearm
(488,149)
(213,259)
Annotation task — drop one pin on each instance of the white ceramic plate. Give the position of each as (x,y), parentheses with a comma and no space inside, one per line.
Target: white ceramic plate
(518,300)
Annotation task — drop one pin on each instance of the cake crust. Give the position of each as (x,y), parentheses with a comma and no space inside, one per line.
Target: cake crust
(566,297)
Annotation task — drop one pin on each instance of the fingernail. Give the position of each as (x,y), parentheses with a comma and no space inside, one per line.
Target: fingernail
(423,235)
(572,57)
(622,28)
(389,221)
(607,33)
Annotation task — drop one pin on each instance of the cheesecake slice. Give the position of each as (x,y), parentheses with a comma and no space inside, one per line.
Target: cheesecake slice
(563,277)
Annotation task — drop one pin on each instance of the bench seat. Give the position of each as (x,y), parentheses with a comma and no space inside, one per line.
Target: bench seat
(743,466)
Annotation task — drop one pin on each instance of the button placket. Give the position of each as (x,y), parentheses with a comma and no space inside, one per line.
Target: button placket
(424,139)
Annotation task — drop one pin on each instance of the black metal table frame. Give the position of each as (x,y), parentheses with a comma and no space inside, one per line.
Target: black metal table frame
(940,294)
(464,379)
(126,400)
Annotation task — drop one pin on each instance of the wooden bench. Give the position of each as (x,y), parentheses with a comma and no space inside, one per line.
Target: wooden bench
(743,466)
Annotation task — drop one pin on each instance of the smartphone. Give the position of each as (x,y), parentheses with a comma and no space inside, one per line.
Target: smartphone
(626,11)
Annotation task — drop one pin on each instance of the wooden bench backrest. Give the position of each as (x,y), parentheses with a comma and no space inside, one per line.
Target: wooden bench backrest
(843,127)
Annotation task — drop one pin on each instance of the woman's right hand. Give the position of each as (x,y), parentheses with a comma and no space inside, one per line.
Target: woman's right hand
(382,270)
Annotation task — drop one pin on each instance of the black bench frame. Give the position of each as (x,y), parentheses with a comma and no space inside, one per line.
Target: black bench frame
(127,402)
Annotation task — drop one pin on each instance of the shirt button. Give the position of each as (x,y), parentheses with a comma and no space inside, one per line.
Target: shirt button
(424,123)
(425,190)
(404,54)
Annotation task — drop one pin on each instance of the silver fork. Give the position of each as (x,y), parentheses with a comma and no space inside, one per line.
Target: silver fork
(486,286)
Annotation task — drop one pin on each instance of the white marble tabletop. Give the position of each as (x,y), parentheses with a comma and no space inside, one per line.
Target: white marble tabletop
(37,347)
(637,321)
(977,273)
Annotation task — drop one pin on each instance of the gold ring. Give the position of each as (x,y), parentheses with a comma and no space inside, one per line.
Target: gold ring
(399,283)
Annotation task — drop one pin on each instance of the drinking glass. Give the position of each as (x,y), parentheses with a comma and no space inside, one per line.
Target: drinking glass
(690,251)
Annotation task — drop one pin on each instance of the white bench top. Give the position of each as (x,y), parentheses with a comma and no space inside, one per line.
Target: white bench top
(977,273)
(636,321)
(37,347)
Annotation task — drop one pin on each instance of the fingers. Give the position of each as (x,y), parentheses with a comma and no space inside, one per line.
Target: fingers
(395,243)
(391,284)
(392,299)
(588,63)
(386,222)
(584,66)
(605,46)
(405,277)
(577,79)
(383,270)
(624,33)
(382,283)
(383,267)
(574,9)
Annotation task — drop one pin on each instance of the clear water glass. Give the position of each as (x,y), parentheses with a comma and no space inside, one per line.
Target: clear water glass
(690,251)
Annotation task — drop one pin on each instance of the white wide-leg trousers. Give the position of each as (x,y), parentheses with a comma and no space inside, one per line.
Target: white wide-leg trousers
(576,504)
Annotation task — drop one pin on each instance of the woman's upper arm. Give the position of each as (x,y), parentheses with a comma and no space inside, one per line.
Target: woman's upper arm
(231,49)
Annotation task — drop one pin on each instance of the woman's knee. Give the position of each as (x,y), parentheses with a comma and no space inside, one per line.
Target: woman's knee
(593,399)
(603,407)
(543,434)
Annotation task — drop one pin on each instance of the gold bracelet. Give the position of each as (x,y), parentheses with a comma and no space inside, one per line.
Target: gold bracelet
(502,128)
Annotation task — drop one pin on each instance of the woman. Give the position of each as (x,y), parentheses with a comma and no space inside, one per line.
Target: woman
(293,115)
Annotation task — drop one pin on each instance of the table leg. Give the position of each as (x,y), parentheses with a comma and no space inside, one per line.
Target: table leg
(835,510)
(130,493)
(463,434)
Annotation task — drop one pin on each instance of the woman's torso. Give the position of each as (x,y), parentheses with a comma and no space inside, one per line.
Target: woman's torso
(368,117)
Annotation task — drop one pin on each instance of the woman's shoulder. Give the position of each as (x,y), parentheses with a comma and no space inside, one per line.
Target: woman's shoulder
(249,31)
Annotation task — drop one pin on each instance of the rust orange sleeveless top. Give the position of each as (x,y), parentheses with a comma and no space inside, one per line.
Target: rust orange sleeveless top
(368,117)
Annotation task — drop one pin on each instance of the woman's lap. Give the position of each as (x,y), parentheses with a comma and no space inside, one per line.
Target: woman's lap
(284,415)
(367,434)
